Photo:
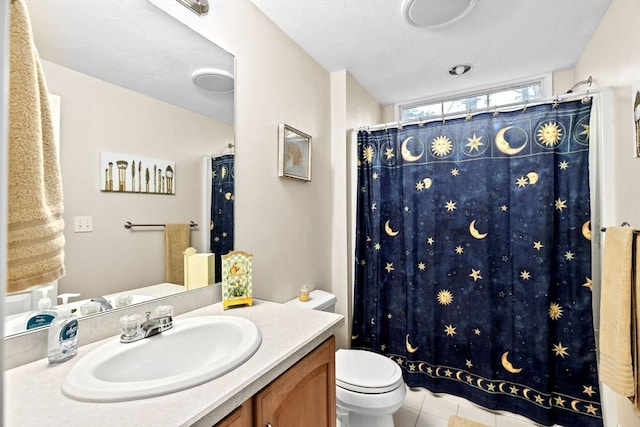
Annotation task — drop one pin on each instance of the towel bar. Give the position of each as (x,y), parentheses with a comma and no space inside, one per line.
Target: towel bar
(624,224)
(128,225)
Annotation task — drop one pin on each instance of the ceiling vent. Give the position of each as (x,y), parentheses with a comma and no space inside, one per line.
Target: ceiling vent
(213,79)
(435,13)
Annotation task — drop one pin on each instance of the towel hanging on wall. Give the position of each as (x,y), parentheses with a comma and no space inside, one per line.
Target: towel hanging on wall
(618,283)
(35,225)
(177,238)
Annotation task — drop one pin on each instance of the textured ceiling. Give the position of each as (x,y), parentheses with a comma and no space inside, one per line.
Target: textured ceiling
(504,40)
(132,44)
(135,45)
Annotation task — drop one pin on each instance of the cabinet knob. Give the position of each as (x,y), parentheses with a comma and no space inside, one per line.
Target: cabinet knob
(268,425)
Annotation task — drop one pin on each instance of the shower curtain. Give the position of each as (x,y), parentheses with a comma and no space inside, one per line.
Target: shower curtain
(473,259)
(222,197)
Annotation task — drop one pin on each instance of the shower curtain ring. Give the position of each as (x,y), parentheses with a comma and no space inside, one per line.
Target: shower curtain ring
(524,109)
(469,116)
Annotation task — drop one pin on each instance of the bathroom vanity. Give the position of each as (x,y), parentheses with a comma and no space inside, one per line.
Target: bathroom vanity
(304,393)
(294,366)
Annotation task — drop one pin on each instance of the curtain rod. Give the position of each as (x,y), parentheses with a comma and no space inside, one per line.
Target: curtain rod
(588,82)
(128,225)
(229,150)
(586,98)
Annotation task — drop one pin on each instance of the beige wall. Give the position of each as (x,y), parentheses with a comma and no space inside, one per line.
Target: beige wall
(362,108)
(285,223)
(98,116)
(611,57)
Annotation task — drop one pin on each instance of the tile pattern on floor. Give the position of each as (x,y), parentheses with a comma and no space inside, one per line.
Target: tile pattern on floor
(424,409)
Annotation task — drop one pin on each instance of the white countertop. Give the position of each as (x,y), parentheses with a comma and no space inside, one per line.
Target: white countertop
(33,397)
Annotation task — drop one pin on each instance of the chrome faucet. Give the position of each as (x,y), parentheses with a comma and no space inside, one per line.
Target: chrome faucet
(104,304)
(156,325)
(152,326)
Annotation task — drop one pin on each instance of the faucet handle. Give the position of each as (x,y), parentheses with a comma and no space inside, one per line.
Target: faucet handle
(130,326)
(164,310)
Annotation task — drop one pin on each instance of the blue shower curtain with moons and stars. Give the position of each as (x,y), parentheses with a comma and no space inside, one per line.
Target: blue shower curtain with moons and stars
(222,200)
(473,259)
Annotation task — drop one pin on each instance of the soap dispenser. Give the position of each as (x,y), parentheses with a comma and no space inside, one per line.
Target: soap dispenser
(63,332)
(45,314)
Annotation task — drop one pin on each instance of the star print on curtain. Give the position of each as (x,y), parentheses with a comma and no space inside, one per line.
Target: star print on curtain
(222,198)
(473,259)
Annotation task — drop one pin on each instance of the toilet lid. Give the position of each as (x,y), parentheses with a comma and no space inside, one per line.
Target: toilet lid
(366,372)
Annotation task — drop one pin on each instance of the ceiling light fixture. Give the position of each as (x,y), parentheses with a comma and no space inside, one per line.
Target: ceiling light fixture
(435,13)
(199,7)
(460,69)
(213,79)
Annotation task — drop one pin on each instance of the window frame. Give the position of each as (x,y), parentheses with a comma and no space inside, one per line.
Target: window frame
(545,81)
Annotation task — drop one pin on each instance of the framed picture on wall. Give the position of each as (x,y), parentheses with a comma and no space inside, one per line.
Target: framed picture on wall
(294,153)
(127,173)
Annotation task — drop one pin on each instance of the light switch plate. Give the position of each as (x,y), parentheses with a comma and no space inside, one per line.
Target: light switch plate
(82,224)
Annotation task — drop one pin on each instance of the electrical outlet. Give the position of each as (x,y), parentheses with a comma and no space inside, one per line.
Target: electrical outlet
(82,224)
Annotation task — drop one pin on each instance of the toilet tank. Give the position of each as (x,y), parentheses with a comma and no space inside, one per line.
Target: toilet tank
(318,300)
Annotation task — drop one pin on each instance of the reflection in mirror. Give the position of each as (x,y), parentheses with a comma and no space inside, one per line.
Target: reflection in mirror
(124,74)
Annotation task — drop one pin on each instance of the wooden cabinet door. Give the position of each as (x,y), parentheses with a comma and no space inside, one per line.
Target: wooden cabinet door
(240,417)
(304,396)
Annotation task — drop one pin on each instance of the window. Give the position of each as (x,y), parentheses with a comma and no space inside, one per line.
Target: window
(491,98)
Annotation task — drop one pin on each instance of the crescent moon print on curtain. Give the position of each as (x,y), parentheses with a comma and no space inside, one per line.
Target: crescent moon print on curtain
(473,259)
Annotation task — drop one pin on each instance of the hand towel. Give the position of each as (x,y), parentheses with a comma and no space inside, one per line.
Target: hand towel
(455,421)
(35,239)
(635,325)
(177,238)
(616,366)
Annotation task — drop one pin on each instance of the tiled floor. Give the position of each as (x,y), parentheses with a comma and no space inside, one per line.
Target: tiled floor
(424,409)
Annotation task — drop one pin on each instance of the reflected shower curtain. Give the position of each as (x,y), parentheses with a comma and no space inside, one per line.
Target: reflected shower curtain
(473,259)
(222,197)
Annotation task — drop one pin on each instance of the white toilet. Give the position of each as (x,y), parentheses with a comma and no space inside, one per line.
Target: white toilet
(369,386)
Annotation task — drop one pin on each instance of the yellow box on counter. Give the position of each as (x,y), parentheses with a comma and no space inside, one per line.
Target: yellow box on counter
(199,269)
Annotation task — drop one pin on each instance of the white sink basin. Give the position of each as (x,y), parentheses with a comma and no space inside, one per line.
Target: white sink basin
(194,351)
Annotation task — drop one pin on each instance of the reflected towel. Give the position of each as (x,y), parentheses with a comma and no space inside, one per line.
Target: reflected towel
(635,325)
(35,239)
(455,421)
(177,238)
(616,367)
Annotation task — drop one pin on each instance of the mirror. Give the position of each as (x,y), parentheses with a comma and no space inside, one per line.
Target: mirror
(124,74)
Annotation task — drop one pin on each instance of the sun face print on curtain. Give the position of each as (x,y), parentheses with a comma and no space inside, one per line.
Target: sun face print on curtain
(222,200)
(473,259)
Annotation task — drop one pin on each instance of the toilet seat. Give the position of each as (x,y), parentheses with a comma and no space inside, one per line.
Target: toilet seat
(366,372)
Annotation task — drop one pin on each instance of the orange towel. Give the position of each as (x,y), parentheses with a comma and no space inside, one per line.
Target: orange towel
(177,238)
(616,364)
